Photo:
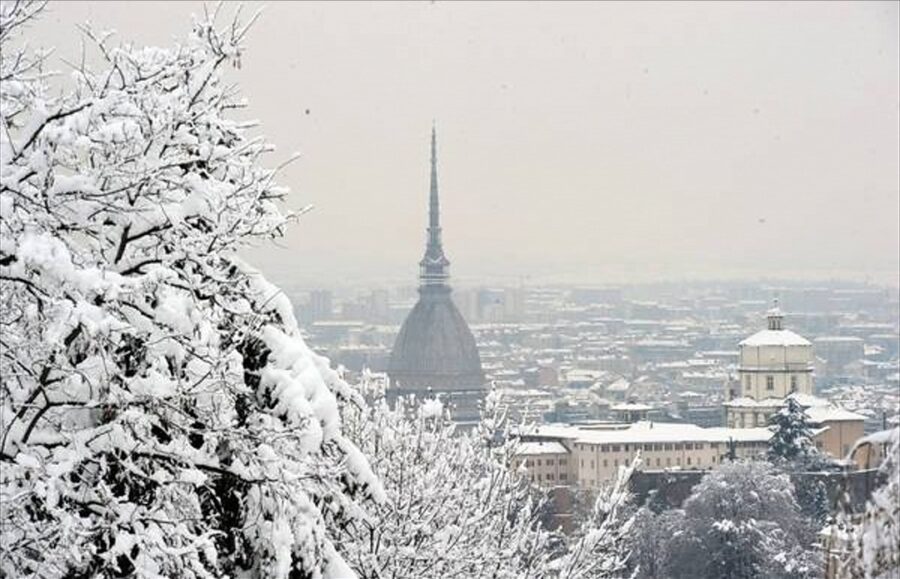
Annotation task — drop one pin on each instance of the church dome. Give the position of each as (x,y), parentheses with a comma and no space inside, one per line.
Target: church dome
(435,348)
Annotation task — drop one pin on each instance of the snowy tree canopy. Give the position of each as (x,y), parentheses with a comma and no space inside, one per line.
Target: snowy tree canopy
(160,414)
(741,521)
(453,509)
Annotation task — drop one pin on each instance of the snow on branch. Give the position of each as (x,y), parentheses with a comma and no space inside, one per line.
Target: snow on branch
(160,413)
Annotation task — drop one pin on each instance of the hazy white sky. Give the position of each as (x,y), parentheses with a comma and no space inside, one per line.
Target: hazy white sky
(589,142)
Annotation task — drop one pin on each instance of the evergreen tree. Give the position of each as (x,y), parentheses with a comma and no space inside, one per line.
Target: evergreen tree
(791,434)
(731,455)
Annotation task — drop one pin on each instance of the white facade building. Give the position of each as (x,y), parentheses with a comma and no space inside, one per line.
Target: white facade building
(774,363)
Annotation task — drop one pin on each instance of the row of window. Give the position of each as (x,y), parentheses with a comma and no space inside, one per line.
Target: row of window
(770,383)
(546,461)
(549,476)
(688,462)
(649,447)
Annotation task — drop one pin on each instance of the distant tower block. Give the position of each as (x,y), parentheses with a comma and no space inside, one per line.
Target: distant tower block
(435,352)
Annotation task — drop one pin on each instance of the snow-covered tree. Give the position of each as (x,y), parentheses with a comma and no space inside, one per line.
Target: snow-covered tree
(600,547)
(649,542)
(456,508)
(791,449)
(160,414)
(812,498)
(792,436)
(874,535)
(741,521)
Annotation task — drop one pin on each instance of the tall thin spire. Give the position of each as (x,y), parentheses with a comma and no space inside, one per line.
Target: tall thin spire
(434,204)
(434,264)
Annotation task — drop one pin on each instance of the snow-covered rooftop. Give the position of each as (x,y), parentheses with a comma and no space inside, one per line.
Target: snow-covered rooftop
(650,432)
(775,338)
(745,402)
(818,409)
(831,414)
(619,385)
(631,407)
(805,400)
(542,447)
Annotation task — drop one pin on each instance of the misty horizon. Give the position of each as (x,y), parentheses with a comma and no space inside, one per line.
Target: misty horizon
(589,143)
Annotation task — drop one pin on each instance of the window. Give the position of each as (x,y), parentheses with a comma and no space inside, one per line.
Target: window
(625,448)
(689,461)
(770,382)
(688,446)
(616,462)
(677,446)
(657,461)
(527,463)
(678,460)
(604,448)
(668,447)
(563,476)
(539,462)
(714,459)
(793,383)
(668,461)
(604,463)
(615,448)
(562,462)
(592,464)
(648,447)
(657,447)
(747,382)
(549,462)
(550,476)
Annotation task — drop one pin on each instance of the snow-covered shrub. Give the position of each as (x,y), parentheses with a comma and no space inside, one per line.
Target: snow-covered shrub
(160,414)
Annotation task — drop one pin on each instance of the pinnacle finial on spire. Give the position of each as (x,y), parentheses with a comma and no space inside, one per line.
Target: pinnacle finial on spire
(433,267)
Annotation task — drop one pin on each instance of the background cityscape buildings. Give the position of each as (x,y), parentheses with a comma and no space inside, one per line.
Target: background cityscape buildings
(570,353)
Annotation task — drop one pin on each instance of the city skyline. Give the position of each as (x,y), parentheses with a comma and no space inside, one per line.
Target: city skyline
(567,161)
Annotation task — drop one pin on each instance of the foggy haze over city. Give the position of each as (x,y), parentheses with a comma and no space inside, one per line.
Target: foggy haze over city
(585,143)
